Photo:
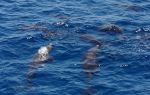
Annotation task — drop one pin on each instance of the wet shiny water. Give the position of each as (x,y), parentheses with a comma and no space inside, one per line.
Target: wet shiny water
(123,59)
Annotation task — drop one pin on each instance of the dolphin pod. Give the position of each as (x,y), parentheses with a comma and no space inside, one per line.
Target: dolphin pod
(90,64)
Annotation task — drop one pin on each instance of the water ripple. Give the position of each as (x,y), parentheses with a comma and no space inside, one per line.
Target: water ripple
(123,60)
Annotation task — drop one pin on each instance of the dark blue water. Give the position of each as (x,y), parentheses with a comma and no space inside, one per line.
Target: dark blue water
(123,59)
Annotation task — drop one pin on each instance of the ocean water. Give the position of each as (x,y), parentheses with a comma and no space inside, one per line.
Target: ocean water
(123,59)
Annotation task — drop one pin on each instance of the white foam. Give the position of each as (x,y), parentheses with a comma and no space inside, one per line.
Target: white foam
(43,50)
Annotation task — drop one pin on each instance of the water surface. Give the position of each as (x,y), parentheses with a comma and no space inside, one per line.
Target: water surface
(123,59)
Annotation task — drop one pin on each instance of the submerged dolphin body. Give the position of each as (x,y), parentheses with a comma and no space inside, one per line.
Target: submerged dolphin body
(111,28)
(41,56)
(89,63)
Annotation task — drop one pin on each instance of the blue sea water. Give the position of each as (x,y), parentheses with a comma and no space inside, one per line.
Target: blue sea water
(123,59)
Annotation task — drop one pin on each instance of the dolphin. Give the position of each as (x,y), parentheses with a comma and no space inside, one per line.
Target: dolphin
(89,62)
(41,56)
(111,28)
